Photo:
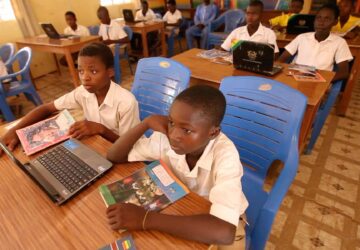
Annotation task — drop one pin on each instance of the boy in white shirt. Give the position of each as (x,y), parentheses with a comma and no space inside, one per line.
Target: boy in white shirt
(321,48)
(109,109)
(253,31)
(145,14)
(190,142)
(73,28)
(172,17)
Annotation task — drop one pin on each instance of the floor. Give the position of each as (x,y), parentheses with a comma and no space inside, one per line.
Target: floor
(322,208)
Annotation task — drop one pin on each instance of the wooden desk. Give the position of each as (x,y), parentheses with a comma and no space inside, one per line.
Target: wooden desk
(205,72)
(144,28)
(354,45)
(59,46)
(29,220)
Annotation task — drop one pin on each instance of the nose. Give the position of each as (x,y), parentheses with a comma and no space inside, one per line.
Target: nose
(175,134)
(85,76)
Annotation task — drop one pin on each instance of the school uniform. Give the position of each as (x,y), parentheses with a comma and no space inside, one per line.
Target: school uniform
(281,20)
(150,15)
(80,31)
(263,35)
(349,24)
(119,111)
(113,31)
(323,55)
(172,18)
(216,176)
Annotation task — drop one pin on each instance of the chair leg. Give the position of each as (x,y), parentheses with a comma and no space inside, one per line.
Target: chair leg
(180,46)
(129,62)
(6,110)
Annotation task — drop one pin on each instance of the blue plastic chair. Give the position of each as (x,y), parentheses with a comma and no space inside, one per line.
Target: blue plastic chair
(94,30)
(20,82)
(231,19)
(157,82)
(7,51)
(118,55)
(263,118)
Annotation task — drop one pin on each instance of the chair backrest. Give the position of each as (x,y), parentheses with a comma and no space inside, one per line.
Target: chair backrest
(7,51)
(157,82)
(233,19)
(117,67)
(129,32)
(94,30)
(263,118)
(23,57)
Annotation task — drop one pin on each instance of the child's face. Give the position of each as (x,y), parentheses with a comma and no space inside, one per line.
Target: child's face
(253,14)
(324,20)
(296,7)
(188,130)
(104,17)
(171,8)
(345,7)
(70,20)
(93,73)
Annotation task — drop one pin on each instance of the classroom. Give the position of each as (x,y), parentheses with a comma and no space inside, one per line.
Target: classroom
(183,124)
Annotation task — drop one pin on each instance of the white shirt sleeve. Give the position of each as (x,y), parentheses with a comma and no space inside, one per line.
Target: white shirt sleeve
(118,32)
(67,31)
(293,46)
(165,17)
(226,45)
(69,100)
(129,117)
(83,31)
(139,16)
(272,40)
(343,52)
(147,149)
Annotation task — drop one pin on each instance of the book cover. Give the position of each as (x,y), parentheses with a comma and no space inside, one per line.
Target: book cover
(124,243)
(153,187)
(303,77)
(305,69)
(45,133)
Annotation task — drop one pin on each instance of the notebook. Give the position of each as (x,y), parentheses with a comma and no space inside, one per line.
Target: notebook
(256,57)
(63,171)
(51,32)
(129,16)
(300,23)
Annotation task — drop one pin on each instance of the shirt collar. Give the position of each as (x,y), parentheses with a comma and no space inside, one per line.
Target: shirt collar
(330,38)
(109,98)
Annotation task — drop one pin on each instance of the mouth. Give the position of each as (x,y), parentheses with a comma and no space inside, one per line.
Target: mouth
(175,147)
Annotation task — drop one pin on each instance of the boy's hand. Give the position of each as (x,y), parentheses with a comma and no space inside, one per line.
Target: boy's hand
(85,128)
(157,123)
(10,139)
(125,216)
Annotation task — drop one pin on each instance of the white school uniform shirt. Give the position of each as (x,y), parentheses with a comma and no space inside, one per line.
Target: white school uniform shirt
(80,31)
(216,176)
(262,35)
(113,31)
(150,15)
(323,55)
(172,18)
(119,111)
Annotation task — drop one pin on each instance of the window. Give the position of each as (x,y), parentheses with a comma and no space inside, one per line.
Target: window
(112,2)
(6,11)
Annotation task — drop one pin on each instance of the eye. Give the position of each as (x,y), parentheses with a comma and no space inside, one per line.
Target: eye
(80,71)
(187,131)
(170,123)
(94,72)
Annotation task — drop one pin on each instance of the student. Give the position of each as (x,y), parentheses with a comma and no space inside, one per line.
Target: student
(253,31)
(73,28)
(109,109)
(145,14)
(205,13)
(110,31)
(321,48)
(190,142)
(346,20)
(172,17)
(280,22)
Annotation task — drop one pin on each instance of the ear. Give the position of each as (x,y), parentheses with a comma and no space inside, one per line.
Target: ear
(111,72)
(214,131)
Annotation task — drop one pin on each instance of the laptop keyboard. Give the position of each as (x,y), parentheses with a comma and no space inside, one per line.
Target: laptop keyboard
(67,168)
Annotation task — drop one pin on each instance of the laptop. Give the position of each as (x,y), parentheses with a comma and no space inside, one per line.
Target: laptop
(63,171)
(300,23)
(51,32)
(129,16)
(256,57)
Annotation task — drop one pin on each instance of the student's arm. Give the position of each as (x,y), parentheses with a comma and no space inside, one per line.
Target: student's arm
(204,228)
(39,113)
(197,15)
(84,128)
(212,15)
(342,72)
(285,56)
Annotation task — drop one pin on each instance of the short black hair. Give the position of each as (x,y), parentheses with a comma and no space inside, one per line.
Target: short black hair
(70,13)
(144,2)
(333,7)
(209,100)
(300,1)
(171,2)
(102,8)
(99,50)
(257,3)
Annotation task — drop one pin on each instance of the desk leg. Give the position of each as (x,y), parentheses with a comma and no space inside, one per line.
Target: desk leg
(73,71)
(145,44)
(306,125)
(163,43)
(57,64)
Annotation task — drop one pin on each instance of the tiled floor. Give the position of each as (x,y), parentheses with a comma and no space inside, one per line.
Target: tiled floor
(322,208)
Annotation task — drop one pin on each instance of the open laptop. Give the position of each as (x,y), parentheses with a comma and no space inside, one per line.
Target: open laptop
(51,32)
(129,16)
(256,57)
(300,23)
(64,170)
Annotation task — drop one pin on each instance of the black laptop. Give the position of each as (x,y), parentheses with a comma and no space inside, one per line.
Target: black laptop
(51,32)
(256,57)
(129,16)
(300,23)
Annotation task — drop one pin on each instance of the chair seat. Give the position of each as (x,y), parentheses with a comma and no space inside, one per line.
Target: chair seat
(16,87)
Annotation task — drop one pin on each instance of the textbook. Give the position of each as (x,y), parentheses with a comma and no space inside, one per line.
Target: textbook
(45,133)
(305,73)
(124,243)
(152,187)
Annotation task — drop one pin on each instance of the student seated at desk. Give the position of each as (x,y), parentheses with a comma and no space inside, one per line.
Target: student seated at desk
(253,31)
(172,17)
(321,48)
(190,142)
(110,31)
(109,109)
(145,13)
(346,20)
(280,22)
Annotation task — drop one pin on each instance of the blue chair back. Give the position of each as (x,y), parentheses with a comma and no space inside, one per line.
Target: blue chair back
(263,118)
(157,82)
(129,32)
(94,30)
(117,67)
(7,51)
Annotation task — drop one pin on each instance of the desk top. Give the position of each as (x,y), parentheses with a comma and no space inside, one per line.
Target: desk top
(29,220)
(46,41)
(145,24)
(206,70)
